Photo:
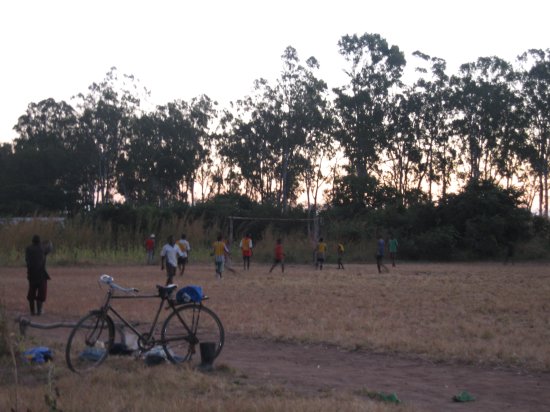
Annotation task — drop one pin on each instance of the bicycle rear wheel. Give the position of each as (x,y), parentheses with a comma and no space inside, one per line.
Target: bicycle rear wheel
(89,342)
(181,344)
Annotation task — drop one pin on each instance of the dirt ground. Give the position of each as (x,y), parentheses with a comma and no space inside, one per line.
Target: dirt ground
(424,385)
(419,383)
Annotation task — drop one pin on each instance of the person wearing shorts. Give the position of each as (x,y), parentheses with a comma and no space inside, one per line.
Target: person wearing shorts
(169,259)
(184,247)
(150,249)
(340,253)
(380,249)
(246,248)
(393,249)
(321,251)
(279,256)
(219,250)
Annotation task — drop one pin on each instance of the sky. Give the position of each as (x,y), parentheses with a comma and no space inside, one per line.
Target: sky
(180,49)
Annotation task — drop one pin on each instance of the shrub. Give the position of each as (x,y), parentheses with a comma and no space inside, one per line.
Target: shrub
(435,244)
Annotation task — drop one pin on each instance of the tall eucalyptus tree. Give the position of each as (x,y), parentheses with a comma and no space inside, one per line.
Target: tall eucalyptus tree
(106,113)
(362,106)
(277,133)
(246,141)
(164,152)
(488,117)
(51,161)
(536,91)
(432,124)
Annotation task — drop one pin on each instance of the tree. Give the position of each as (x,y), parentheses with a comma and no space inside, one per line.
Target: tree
(535,82)
(164,152)
(485,217)
(275,134)
(246,142)
(402,148)
(47,159)
(488,117)
(431,124)
(306,120)
(362,105)
(105,121)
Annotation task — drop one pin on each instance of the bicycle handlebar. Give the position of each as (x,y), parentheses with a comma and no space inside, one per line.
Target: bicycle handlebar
(108,280)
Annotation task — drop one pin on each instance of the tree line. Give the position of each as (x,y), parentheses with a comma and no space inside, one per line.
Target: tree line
(373,141)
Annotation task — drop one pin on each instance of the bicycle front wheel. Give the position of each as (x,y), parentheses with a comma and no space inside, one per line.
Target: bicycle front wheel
(89,342)
(186,328)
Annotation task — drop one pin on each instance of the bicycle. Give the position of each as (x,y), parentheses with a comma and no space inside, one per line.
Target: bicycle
(188,324)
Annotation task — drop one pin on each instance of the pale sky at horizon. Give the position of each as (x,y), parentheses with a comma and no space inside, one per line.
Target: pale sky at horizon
(181,49)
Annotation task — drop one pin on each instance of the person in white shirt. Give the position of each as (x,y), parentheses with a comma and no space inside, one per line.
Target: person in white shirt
(169,258)
(184,247)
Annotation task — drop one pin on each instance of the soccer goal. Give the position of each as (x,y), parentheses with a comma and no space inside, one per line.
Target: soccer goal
(313,224)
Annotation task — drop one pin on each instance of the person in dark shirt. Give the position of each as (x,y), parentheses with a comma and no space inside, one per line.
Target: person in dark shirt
(35,258)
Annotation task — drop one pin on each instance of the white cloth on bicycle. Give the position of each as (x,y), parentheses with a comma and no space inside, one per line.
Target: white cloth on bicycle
(171,253)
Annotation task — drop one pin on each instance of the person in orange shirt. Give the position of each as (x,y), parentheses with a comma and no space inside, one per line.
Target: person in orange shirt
(246,248)
(279,256)
(321,254)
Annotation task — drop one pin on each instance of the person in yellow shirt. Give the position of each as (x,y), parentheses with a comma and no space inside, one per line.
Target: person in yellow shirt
(321,254)
(219,250)
(340,253)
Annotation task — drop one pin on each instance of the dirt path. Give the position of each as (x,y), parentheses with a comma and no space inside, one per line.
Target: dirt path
(424,385)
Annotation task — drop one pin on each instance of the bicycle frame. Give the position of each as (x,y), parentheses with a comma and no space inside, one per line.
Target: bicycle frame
(147,337)
(91,339)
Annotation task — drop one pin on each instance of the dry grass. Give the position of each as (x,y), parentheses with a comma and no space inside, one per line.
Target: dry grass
(127,385)
(474,313)
(478,313)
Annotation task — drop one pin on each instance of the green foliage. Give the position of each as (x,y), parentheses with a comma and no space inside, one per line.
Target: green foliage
(435,244)
(479,222)
(486,218)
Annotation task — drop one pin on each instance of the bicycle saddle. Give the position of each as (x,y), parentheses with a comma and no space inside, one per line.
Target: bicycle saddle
(165,291)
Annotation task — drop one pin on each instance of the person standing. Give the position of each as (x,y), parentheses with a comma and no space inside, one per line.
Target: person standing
(169,258)
(279,256)
(184,247)
(150,249)
(246,248)
(380,249)
(340,254)
(321,253)
(35,258)
(219,250)
(393,244)
(510,252)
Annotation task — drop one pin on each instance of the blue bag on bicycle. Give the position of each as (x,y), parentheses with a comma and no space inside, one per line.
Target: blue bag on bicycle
(189,293)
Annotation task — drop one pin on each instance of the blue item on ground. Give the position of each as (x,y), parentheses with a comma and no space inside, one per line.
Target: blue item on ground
(38,355)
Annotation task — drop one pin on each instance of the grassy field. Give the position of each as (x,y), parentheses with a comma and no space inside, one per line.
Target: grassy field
(485,313)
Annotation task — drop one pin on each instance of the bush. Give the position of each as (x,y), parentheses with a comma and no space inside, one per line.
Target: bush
(436,244)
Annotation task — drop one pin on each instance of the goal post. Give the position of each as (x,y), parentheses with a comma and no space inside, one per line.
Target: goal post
(315,220)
